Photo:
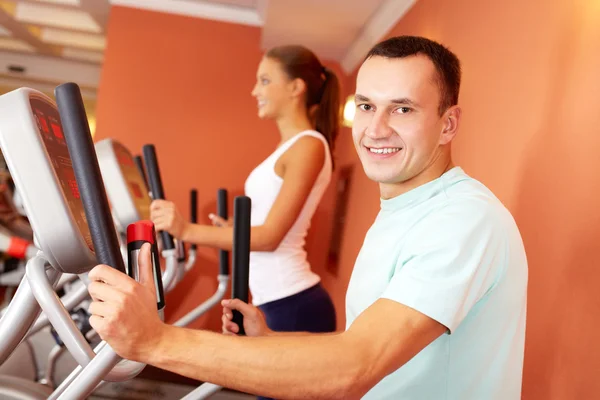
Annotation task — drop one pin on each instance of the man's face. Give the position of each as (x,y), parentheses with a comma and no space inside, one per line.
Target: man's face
(397,128)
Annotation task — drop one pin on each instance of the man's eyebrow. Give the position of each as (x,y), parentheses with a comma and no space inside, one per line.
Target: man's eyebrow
(403,100)
(406,101)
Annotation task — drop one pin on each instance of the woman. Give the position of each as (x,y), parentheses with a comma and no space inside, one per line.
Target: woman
(302,97)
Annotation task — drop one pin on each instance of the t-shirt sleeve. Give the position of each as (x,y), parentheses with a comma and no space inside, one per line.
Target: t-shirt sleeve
(449,260)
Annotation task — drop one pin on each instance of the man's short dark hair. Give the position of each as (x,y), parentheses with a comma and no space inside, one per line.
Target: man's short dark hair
(446,63)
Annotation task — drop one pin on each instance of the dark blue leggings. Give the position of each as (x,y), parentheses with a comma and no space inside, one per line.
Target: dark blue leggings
(308,311)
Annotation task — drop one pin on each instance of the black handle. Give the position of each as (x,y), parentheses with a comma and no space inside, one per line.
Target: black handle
(241,254)
(140,164)
(181,252)
(88,176)
(194,211)
(138,234)
(223,213)
(156,186)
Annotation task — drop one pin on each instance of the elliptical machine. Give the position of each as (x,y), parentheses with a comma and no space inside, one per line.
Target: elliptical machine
(63,195)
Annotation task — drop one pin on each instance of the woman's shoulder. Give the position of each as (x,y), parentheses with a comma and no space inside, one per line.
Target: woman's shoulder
(308,142)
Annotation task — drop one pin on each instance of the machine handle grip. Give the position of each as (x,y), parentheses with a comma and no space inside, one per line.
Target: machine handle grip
(194,211)
(223,213)
(87,175)
(138,234)
(156,186)
(241,254)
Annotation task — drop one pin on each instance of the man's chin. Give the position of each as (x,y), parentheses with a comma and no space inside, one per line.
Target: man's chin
(383,177)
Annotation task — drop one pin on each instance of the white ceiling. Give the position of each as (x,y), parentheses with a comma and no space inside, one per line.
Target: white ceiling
(240,3)
(58,40)
(327,27)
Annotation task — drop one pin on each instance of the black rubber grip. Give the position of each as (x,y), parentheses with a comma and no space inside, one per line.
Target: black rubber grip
(241,254)
(181,252)
(223,213)
(156,187)
(88,176)
(140,164)
(194,211)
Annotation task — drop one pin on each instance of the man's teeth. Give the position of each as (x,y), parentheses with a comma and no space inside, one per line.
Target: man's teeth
(387,150)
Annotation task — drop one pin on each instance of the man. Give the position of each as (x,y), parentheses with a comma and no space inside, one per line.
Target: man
(436,304)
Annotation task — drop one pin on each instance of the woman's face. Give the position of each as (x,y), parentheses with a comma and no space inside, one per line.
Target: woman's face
(273,90)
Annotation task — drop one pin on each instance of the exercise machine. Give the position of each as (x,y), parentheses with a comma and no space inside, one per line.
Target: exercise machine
(127,190)
(241,262)
(59,181)
(223,277)
(54,165)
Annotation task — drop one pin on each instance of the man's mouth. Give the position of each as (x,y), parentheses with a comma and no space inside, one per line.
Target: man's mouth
(384,150)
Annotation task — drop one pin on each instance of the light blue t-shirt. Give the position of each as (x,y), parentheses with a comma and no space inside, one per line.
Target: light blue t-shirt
(450,250)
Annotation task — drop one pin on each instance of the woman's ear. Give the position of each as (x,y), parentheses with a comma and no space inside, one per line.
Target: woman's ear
(298,87)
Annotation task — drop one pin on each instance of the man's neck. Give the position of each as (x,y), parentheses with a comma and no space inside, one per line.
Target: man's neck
(434,171)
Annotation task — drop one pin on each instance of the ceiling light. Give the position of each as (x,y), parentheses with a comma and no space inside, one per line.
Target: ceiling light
(65,2)
(47,15)
(84,55)
(4,31)
(15,44)
(74,39)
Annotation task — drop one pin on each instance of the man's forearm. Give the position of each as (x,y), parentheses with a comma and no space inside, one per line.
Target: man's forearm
(299,334)
(306,367)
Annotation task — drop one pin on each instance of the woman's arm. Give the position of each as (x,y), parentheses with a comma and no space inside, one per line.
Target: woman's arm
(301,163)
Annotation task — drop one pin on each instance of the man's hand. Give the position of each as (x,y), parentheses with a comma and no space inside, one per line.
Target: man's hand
(123,311)
(254,320)
(166,217)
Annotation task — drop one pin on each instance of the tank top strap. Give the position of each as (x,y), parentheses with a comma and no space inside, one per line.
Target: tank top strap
(290,142)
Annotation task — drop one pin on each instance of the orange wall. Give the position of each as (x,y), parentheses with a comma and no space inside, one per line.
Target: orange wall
(184,85)
(530,131)
(320,232)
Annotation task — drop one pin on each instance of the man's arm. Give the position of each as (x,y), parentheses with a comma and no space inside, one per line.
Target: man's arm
(339,366)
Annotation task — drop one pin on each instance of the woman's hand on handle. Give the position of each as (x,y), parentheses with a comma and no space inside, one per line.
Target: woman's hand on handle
(166,217)
(254,320)
(218,221)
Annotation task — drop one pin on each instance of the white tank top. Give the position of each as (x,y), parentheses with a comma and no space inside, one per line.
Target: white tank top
(285,271)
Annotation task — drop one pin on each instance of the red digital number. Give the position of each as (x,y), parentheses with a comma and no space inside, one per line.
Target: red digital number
(74,188)
(136,190)
(42,121)
(57,131)
(44,125)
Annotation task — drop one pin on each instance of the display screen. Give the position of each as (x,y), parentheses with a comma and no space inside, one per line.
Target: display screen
(48,122)
(134,180)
